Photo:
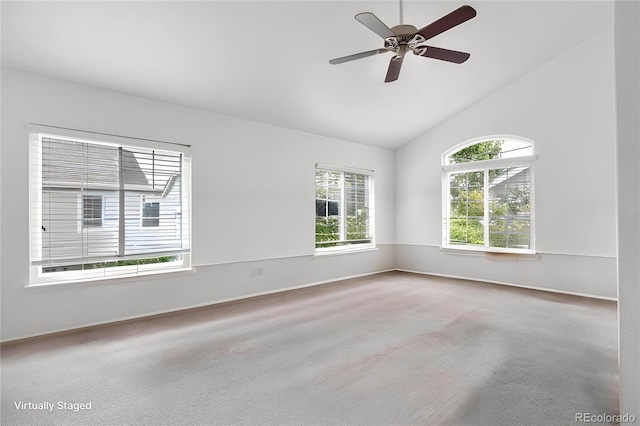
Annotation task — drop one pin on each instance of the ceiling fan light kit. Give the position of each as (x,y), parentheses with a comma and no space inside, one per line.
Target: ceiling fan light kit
(403,38)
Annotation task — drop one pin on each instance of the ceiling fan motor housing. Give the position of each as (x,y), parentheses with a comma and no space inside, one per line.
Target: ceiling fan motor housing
(405,36)
(404,30)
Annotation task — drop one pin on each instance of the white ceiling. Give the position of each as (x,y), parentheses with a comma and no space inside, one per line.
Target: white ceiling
(267,61)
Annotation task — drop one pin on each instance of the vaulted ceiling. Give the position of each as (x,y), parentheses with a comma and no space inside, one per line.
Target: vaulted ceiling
(268,61)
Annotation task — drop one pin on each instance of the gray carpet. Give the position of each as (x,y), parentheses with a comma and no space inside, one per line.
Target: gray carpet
(393,348)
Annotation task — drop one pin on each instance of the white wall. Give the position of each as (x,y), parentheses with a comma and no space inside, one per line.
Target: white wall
(627,55)
(253,192)
(567,107)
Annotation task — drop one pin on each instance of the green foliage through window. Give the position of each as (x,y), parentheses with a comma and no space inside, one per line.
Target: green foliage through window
(503,192)
(487,150)
(111,264)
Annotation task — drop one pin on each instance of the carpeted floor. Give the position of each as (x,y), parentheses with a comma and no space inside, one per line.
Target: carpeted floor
(393,348)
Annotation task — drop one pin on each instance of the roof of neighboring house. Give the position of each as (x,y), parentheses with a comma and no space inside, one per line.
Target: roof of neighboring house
(509,175)
(74,165)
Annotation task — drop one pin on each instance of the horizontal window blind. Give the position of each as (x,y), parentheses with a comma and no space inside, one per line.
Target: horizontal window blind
(97,207)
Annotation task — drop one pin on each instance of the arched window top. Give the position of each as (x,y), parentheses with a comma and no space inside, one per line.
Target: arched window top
(488,148)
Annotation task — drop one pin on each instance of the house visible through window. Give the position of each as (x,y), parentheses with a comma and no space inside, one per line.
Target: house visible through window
(488,196)
(99,209)
(344,209)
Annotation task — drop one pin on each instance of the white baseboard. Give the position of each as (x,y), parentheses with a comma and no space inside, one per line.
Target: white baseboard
(551,290)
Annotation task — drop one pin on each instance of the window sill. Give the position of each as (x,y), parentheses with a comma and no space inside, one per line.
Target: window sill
(107,280)
(344,251)
(484,251)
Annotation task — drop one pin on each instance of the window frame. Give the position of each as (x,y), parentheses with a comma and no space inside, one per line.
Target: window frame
(350,247)
(485,166)
(38,278)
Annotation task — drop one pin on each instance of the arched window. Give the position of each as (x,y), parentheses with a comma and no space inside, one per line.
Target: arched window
(488,195)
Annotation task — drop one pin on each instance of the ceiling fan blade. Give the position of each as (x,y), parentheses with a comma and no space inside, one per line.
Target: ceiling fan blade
(357,56)
(444,54)
(372,22)
(394,69)
(457,17)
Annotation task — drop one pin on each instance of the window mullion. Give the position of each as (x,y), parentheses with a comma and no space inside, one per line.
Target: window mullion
(181,201)
(486,207)
(446,199)
(343,215)
(121,205)
(83,190)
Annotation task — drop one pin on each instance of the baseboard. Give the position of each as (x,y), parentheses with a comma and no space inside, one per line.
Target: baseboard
(184,308)
(551,290)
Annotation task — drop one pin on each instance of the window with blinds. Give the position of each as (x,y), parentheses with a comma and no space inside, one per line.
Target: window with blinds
(344,208)
(488,196)
(103,209)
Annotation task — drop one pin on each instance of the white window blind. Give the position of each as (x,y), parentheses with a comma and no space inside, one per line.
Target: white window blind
(88,220)
(344,209)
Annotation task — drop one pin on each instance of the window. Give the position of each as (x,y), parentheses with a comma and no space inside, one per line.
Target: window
(344,209)
(105,208)
(150,213)
(92,210)
(488,196)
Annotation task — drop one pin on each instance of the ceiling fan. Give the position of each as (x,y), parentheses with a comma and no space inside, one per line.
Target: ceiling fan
(403,38)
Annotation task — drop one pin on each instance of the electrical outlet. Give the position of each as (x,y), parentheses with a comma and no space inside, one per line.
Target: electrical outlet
(256,272)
